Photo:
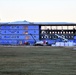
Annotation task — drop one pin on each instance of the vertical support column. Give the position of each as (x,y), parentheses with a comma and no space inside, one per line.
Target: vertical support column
(62,29)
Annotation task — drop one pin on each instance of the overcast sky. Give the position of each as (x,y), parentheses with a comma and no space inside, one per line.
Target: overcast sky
(38,10)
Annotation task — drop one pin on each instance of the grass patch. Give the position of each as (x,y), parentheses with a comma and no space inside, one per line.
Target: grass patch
(37,61)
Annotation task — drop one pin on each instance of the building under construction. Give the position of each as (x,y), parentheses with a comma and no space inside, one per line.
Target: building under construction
(20,32)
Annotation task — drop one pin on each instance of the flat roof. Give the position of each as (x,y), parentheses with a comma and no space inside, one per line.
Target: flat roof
(37,23)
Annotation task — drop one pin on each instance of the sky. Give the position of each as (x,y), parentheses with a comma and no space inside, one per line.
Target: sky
(38,10)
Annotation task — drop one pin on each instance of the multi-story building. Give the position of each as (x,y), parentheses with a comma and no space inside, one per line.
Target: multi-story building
(58,32)
(20,32)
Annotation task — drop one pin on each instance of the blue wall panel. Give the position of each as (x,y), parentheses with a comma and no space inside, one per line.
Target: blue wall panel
(20,37)
(20,27)
(8,42)
(74,37)
(14,31)
(33,31)
(14,34)
(33,27)
(12,27)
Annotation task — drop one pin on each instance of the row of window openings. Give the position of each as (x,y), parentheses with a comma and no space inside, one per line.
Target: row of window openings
(57,27)
(26,27)
(56,32)
(55,37)
(16,36)
(26,32)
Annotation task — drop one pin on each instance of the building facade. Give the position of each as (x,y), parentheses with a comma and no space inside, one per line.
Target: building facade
(58,32)
(20,33)
(15,34)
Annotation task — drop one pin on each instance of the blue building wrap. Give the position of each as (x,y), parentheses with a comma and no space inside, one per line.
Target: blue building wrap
(18,33)
(15,34)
